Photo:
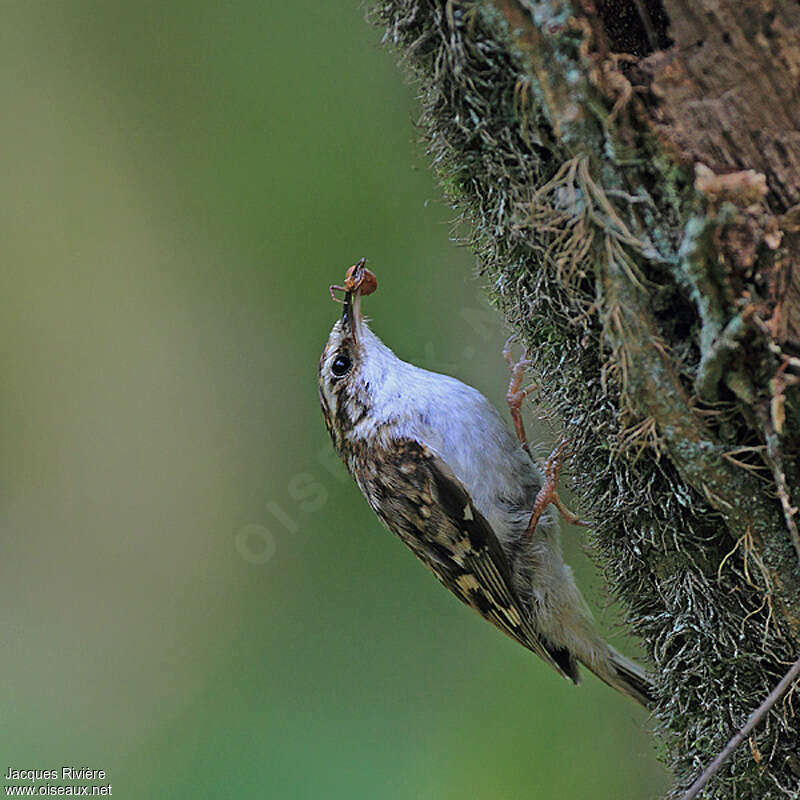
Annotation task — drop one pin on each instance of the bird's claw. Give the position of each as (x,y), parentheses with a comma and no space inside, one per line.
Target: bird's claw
(548,493)
(515,395)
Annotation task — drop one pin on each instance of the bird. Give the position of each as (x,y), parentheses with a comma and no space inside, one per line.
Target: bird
(441,469)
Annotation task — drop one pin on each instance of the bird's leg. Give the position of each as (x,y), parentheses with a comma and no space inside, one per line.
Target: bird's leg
(552,467)
(547,494)
(515,394)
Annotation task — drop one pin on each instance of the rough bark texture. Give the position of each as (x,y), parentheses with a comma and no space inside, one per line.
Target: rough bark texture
(629,174)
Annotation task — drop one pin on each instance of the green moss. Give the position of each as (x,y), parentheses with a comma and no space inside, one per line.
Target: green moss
(700,591)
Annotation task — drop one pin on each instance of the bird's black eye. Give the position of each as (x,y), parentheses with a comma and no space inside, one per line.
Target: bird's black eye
(341,365)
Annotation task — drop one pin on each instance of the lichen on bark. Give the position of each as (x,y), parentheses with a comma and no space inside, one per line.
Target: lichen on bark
(648,256)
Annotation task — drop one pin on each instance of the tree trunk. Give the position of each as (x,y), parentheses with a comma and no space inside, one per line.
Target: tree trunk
(629,173)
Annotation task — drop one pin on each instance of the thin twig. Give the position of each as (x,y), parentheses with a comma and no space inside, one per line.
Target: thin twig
(754,719)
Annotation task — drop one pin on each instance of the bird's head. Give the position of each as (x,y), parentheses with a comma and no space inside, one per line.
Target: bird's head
(351,360)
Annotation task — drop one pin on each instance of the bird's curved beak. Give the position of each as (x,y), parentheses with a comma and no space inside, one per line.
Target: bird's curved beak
(351,311)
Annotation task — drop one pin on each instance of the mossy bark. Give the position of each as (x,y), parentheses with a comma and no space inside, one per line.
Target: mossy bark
(629,174)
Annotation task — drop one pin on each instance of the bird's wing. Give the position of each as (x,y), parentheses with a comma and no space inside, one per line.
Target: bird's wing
(418,497)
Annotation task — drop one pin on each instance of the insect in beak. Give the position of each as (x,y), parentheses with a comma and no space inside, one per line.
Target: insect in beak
(358,281)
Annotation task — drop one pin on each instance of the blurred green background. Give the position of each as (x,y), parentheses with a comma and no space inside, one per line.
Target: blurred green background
(194,596)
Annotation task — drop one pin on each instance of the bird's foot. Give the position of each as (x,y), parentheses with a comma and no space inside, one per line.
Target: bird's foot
(516,394)
(548,494)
